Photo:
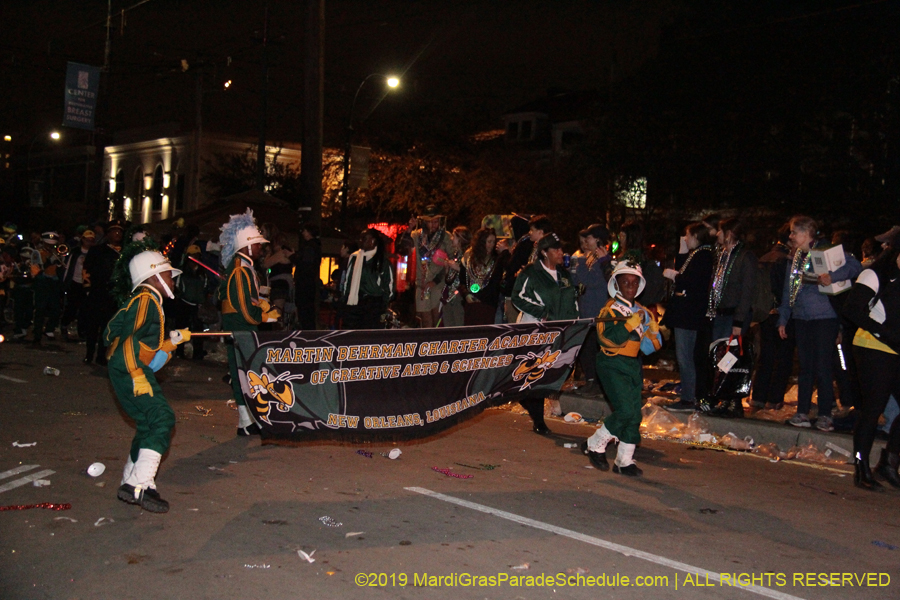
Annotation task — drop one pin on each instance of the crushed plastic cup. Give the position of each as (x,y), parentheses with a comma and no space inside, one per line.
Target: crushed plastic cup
(570,445)
(573,417)
(96,469)
(51,371)
(394,454)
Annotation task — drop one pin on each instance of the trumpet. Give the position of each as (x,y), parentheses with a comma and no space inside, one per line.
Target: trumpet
(62,250)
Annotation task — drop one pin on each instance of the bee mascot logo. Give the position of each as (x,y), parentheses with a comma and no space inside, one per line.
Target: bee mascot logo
(533,367)
(271,393)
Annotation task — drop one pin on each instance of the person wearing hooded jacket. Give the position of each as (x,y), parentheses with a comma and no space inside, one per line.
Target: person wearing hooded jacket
(873,305)
(624,330)
(242,308)
(544,292)
(138,347)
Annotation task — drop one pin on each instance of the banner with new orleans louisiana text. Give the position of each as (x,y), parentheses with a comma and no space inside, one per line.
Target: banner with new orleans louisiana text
(397,383)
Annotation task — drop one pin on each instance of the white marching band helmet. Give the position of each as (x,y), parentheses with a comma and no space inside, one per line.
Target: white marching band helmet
(623,268)
(148,264)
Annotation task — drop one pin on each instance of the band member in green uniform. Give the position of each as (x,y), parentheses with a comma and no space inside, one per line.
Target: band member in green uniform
(242,308)
(137,349)
(624,329)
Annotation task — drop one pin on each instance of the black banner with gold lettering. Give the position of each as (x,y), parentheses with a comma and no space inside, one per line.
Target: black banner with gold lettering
(397,383)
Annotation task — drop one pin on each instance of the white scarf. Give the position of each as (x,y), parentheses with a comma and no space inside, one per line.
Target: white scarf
(361,258)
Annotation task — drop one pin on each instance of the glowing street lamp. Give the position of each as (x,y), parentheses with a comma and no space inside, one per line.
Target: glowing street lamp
(392,83)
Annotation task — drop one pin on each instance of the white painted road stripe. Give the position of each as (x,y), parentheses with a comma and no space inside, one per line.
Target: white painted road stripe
(17,470)
(594,541)
(24,480)
(13,379)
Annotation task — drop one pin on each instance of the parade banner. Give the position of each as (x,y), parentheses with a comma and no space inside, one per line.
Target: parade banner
(397,383)
(82,85)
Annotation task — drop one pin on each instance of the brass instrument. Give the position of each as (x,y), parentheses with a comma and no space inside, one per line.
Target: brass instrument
(62,250)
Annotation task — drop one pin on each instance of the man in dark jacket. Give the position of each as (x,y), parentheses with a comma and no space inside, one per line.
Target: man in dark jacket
(99,306)
(307,259)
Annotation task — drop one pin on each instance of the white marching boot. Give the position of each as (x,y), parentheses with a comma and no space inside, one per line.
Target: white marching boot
(595,447)
(140,486)
(246,426)
(625,461)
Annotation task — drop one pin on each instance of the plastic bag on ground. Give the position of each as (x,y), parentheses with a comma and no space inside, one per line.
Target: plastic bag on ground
(695,427)
(770,451)
(811,452)
(658,421)
(659,400)
(732,441)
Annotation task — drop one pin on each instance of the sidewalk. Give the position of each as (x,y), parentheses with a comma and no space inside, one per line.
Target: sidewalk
(762,432)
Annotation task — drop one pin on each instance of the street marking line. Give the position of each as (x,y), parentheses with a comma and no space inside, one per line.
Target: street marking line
(595,541)
(13,379)
(25,480)
(17,470)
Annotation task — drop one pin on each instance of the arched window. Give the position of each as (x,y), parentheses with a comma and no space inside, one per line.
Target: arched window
(156,192)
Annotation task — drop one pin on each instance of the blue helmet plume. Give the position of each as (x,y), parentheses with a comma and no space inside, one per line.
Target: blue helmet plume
(228,239)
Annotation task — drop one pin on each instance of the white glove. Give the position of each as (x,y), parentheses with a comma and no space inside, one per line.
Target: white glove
(179,336)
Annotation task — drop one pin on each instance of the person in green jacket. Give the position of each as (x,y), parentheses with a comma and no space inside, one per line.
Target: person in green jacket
(138,347)
(544,292)
(369,283)
(624,329)
(242,308)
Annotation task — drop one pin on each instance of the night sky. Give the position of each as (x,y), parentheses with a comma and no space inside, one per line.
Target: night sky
(464,63)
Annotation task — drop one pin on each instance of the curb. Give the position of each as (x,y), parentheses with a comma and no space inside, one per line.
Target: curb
(762,432)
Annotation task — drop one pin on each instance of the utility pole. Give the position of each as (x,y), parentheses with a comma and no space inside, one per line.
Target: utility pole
(264,104)
(313,102)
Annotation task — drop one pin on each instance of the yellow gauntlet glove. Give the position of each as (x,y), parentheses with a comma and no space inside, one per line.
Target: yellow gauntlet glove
(179,336)
(271,315)
(264,305)
(633,322)
(141,385)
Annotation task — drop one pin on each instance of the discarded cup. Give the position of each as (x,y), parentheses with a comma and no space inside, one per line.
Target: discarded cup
(394,454)
(96,469)
(51,371)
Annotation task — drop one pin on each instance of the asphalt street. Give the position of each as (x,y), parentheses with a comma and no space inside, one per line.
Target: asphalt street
(532,521)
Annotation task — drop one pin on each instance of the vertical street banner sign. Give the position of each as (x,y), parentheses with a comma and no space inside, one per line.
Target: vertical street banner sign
(82,86)
(397,383)
(359,167)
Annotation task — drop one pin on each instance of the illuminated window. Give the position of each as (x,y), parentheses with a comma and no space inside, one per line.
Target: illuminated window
(635,194)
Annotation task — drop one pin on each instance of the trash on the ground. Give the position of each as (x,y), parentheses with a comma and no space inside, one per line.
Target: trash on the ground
(695,427)
(405,543)
(811,452)
(450,473)
(480,467)
(40,482)
(329,522)
(830,447)
(352,534)
(394,454)
(51,371)
(307,557)
(555,408)
(104,521)
(659,400)
(687,460)
(231,404)
(570,445)
(100,484)
(732,441)
(522,567)
(16,444)
(573,417)
(65,519)
(96,469)
(665,385)
(648,384)
(262,566)
(770,451)
(365,453)
(708,511)
(885,545)
(47,505)
(658,421)
(204,412)
(707,438)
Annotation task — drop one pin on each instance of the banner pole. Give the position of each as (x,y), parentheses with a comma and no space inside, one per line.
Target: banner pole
(210,334)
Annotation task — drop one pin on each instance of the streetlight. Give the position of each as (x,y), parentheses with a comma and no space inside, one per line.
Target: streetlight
(392,83)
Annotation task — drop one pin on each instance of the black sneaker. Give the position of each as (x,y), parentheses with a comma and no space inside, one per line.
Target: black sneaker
(541,428)
(251,429)
(598,459)
(631,470)
(151,502)
(682,406)
(126,494)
